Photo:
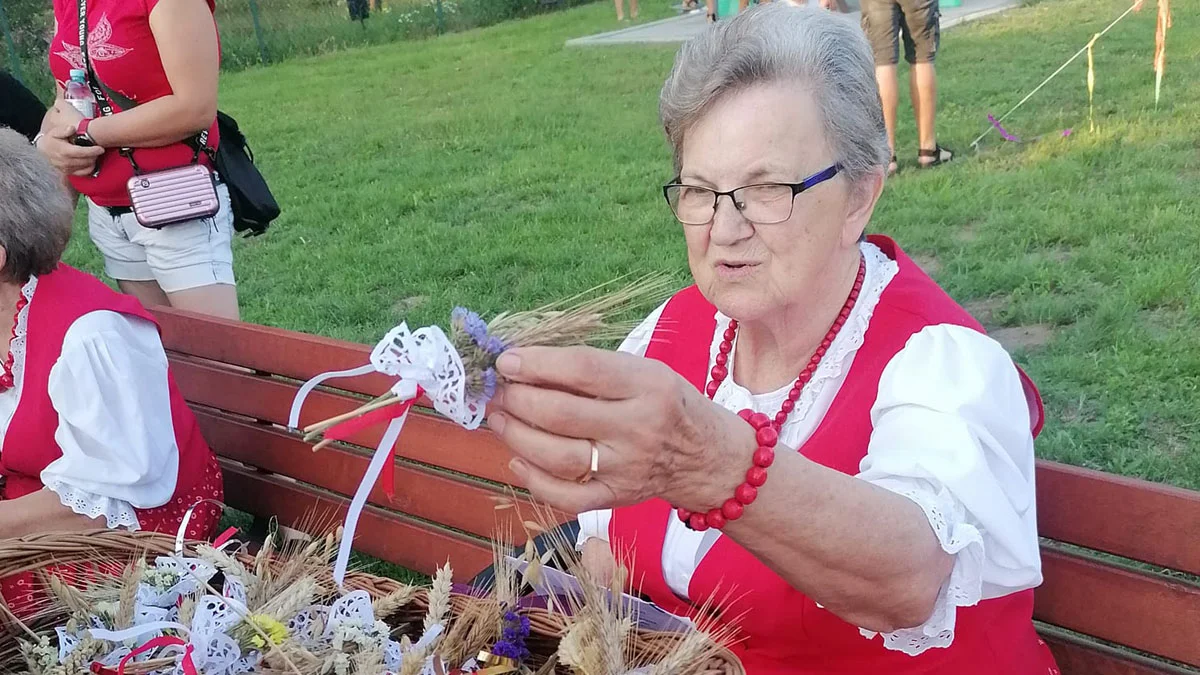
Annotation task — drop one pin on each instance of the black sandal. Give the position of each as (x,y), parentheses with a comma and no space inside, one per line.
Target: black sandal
(712,18)
(939,154)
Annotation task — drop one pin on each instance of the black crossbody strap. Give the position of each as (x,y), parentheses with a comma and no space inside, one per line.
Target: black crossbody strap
(105,96)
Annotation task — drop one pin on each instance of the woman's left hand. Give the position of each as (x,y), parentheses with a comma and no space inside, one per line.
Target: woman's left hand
(63,115)
(655,435)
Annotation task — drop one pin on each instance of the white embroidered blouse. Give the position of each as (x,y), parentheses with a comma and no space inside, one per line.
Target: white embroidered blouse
(951,433)
(109,387)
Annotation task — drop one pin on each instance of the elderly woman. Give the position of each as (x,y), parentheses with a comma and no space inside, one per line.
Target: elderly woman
(93,433)
(819,437)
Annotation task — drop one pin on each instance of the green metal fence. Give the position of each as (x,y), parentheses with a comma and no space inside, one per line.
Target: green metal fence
(255,32)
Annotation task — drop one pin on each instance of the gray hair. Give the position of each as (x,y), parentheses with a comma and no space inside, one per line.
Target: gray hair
(778,42)
(35,211)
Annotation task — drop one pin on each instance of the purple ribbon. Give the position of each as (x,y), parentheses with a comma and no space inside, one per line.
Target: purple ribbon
(1003,132)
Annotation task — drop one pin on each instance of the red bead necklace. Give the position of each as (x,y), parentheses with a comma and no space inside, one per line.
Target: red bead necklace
(766,430)
(6,378)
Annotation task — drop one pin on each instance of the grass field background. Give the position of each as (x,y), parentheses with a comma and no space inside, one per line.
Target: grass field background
(498,169)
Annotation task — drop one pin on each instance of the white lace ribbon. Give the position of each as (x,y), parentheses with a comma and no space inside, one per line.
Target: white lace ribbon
(135,632)
(424,360)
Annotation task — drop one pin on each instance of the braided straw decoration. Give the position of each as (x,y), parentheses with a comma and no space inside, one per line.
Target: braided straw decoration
(39,551)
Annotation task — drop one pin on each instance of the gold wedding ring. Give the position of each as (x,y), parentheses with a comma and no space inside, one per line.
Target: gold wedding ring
(592,468)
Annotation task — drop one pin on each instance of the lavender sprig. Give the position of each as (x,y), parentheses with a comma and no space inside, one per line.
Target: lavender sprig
(476,327)
(512,641)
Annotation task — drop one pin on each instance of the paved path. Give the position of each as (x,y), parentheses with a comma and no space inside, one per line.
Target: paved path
(682,28)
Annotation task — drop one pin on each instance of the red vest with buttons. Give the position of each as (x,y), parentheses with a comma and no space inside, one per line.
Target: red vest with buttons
(781,629)
(62,297)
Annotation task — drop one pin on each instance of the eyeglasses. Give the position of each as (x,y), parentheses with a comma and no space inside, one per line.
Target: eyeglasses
(762,204)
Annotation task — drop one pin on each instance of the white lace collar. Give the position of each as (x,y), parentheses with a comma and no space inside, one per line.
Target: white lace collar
(20,329)
(880,270)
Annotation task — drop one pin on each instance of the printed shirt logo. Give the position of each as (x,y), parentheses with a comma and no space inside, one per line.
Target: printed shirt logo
(99,48)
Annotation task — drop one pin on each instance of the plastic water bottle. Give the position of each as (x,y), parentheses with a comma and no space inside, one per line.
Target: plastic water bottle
(79,95)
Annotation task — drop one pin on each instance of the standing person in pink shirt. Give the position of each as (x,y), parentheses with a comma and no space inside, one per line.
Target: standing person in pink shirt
(153,66)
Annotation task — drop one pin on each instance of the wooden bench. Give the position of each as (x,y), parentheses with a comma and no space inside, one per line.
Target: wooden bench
(1121,556)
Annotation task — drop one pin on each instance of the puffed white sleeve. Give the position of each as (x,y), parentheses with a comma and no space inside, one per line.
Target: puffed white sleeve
(952,433)
(109,387)
(594,524)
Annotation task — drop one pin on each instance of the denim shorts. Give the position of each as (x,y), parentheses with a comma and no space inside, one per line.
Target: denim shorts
(918,22)
(179,257)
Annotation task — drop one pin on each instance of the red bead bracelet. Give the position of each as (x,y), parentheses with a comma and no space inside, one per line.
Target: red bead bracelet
(766,429)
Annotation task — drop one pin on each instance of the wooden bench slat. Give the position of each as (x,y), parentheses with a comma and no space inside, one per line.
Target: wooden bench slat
(1077,656)
(280,352)
(441,498)
(427,439)
(1153,523)
(395,539)
(1119,605)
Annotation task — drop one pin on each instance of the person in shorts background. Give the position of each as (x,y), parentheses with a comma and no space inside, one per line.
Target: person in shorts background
(918,23)
(163,56)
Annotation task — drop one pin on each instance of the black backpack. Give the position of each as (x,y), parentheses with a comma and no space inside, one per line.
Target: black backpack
(254,207)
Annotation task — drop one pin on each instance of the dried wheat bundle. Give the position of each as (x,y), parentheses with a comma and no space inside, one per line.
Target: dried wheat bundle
(596,316)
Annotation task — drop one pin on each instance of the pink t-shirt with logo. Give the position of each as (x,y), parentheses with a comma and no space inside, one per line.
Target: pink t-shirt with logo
(125,57)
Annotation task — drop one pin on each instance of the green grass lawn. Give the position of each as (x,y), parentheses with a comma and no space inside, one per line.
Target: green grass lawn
(498,169)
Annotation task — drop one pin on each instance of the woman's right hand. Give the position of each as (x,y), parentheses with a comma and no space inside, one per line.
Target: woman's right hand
(598,561)
(67,157)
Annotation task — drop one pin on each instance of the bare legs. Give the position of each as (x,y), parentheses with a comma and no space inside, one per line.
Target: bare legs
(923,89)
(217,300)
(149,293)
(923,84)
(889,94)
(633,9)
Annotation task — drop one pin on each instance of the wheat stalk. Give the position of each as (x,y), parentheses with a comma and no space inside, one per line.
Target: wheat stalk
(473,629)
(291,600)
(439,596)
(414,660)
(392,602)
(187,610)
(131,578)
(228,565)
(368,662)
(67,595)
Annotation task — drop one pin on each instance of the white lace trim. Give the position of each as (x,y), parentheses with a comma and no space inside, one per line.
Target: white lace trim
(880,270)
(117,513)
(17,347)
(964,588)
(20,331)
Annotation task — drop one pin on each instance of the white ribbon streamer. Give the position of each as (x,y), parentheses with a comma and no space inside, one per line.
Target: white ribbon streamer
(298,402)
(187,517)
(383,454)
(427,638)
(119,636)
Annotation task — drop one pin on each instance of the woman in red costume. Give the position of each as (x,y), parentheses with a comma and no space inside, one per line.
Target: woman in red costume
(93,432)
(818,436)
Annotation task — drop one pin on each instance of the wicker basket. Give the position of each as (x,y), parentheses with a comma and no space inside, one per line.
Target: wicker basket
(38,552)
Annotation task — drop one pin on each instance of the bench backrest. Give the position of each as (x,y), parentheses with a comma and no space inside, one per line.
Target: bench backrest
(1096,604)
(240,380)
(1121,566)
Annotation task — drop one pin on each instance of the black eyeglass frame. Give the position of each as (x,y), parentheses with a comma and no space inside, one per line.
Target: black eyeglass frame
(806,184)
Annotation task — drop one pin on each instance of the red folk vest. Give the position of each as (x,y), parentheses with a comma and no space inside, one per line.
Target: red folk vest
(62,297)
(782,630)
